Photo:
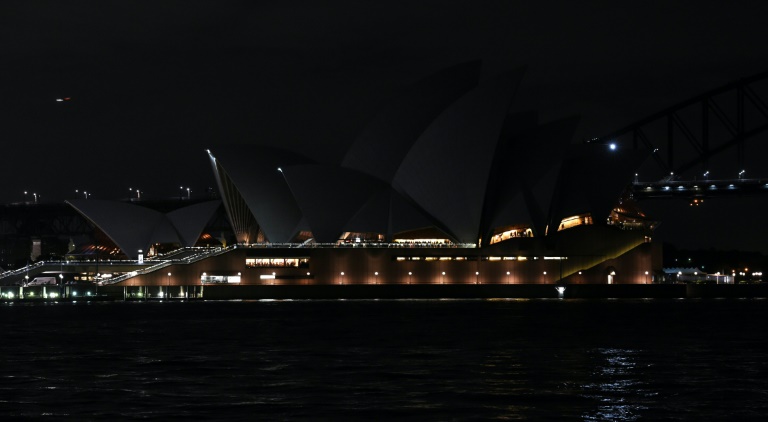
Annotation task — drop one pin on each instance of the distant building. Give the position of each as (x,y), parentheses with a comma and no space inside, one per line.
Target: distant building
(695,275)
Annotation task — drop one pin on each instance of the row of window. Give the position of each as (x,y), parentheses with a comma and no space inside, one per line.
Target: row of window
(276,262)
(475,258)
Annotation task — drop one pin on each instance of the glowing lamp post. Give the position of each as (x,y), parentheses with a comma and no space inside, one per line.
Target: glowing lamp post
(168,288)
(646,277)
(409,277)
(341,280)
(376,277)
(442,278)
(477,277)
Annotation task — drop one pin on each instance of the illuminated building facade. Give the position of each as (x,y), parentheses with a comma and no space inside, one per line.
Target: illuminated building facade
(446,185)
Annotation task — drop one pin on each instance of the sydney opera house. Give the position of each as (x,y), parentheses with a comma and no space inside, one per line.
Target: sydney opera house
(445,185)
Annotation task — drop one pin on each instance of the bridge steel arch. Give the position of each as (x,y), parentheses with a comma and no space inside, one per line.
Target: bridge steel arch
(721,119)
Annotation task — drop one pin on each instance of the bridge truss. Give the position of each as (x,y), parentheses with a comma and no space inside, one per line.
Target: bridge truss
(688,135)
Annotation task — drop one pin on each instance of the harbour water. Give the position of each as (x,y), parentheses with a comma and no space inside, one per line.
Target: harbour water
(689,359)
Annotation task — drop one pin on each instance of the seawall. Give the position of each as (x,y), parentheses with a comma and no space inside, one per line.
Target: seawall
(482,291)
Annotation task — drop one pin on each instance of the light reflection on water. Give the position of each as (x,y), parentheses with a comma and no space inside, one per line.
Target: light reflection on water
(618,388)
(405,360)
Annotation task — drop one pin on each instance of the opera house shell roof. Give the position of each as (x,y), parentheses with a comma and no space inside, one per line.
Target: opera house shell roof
(134,227)
(447,157)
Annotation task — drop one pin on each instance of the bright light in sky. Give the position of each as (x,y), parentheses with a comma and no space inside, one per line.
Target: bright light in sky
(612,147)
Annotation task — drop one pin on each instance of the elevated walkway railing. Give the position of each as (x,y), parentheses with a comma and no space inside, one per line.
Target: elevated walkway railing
(198,255)
(190,255)
(362,244)
(179,256)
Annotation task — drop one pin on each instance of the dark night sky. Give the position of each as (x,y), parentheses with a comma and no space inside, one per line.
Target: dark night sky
(153,84)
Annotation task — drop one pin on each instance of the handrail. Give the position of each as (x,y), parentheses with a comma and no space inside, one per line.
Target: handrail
(158,263)
(164,263)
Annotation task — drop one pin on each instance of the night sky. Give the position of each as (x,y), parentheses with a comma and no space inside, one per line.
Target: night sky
(153,84)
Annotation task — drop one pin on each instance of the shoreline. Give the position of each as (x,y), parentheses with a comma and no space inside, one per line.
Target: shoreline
(383,291)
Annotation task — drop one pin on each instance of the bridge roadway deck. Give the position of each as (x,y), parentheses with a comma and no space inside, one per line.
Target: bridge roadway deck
(698,188)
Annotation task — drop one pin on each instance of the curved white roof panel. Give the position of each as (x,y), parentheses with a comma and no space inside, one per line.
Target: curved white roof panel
(130,226)
(385,141)
(254,171)
(447,170)
(331,196)
(190,221)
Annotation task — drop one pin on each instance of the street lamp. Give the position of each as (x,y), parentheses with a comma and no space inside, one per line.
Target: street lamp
(646,277)
(168,287)
(477,277)
(341,281)
(376,277)
(442,278)
(138,192)
(409,277)
(507,277)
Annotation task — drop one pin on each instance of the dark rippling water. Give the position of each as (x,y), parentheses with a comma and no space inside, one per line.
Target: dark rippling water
(384,360)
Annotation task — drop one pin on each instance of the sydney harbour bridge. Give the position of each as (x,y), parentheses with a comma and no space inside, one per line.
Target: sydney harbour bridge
(713,144)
